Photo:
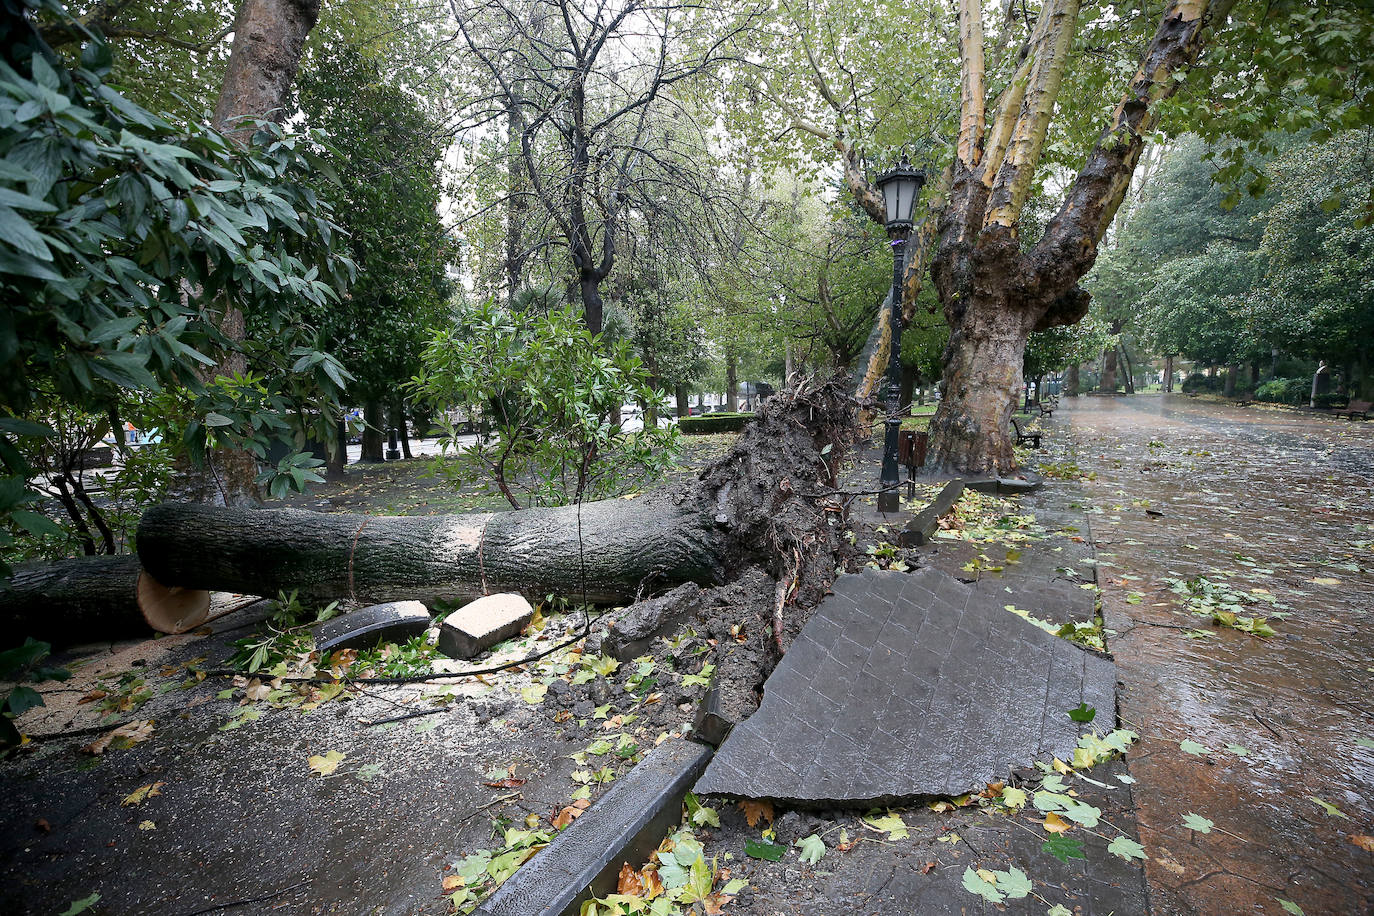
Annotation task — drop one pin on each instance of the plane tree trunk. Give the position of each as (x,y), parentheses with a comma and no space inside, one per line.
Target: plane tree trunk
(993,291)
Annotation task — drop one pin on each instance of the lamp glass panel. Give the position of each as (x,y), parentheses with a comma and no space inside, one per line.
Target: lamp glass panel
(890,198)
(907,196)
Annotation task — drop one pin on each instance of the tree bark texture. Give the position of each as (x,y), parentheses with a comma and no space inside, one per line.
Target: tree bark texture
(619,549)
(338,457)
(1071,381)
(1107,383)
(269,36)
(372,432)
(1168,373)
(731,383)
(1128,377)
(74,601)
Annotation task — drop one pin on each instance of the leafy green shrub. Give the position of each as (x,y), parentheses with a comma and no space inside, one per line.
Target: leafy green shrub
(1331,400)
(547,388)
(124,238)
(1197,382)
(1294,391)
(714,423)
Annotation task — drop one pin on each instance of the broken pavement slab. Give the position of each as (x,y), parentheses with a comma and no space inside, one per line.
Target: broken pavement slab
(909,685)
(395,621)
(481,624)
(625,825)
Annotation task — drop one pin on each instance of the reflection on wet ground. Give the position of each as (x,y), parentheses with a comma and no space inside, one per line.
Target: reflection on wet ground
(1274,510)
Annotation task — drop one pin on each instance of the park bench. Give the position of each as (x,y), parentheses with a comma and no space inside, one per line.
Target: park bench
(1046,410)
(1022,436)
(1356,410)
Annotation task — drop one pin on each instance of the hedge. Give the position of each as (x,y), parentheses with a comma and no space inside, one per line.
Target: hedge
(714,423)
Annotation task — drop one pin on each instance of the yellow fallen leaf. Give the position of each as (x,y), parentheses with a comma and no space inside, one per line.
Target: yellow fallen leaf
(1061,767)
(125,736)
(1363,841)
(327,764)
(142,794)
(452,883)
(146,825)
(1056,824)
(1325,580)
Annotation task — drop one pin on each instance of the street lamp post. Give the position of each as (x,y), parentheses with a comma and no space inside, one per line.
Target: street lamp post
(900,185)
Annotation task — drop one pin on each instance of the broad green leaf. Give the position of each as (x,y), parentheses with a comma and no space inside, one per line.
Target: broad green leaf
(1126,848)
(975,883)
(1189,746)
(762,849)
(812,848)
(1197,822)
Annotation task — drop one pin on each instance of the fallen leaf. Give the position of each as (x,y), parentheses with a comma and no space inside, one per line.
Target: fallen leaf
(1329,808)
(1056,824)
(756,810)
(327,764)
(1197,822)
(928,867)
(125,736)
(628,882)
(1364,841)
(510,782)
(81,906)
(92,697)
(142,794)
(146,825)
(452,883)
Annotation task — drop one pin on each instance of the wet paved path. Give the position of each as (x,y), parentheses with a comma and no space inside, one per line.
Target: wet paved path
(1271,506)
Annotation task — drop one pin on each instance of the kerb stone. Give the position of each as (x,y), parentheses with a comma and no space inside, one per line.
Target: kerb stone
(626,825)
(478,626)
(394,621)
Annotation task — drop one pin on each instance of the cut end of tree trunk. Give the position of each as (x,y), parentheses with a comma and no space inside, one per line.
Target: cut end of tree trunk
(171,608)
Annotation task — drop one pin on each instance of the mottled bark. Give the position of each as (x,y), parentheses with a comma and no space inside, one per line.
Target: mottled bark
(731,383)
(373,436)
(1107,383)
(993,293)
(971,427)
(1168,373)
(269,36)
(1071,381)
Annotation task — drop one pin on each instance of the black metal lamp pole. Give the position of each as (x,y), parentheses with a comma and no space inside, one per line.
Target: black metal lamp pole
(890,497)
(901,185)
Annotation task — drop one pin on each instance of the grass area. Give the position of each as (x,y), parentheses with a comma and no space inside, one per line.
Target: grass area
(406,487)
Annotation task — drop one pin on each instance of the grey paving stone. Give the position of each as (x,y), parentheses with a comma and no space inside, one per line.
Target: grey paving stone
(980,693)
(395,621)
(481,624)
(625,825)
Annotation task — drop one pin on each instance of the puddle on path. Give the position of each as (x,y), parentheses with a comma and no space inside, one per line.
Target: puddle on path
(1258,500)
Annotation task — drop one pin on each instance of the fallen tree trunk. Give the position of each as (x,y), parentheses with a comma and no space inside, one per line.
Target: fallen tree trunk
(612,550)
(90,599)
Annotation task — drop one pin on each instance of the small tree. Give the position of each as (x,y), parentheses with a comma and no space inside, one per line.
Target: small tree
(548,388)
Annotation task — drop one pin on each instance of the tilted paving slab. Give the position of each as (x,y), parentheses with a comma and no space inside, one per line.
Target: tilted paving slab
(909,685)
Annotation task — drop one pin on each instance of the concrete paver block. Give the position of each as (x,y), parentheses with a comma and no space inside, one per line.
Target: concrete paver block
(481,624)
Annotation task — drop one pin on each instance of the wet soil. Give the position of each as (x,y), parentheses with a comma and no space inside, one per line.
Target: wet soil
(1266,500)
